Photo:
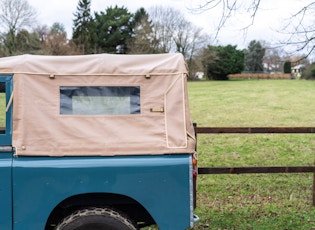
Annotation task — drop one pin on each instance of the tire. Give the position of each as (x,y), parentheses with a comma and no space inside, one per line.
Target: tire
(96,219)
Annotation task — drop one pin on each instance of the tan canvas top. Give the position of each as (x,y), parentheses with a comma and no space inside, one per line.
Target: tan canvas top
(145,109)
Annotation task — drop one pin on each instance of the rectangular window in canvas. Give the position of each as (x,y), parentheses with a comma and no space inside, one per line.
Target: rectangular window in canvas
(100,100)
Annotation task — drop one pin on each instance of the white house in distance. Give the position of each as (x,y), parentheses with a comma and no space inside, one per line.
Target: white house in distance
(199,75)
(297,70)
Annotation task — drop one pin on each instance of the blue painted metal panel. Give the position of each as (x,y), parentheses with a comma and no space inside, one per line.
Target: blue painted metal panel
(6,161)
(160,183)
(5,191)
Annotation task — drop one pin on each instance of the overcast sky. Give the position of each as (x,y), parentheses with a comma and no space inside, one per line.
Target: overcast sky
(268,20)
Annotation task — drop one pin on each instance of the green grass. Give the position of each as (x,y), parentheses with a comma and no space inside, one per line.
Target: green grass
(2,110)
(254,201)
(252,103)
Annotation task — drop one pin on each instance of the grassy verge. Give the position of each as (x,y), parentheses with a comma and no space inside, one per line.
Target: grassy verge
(255,201)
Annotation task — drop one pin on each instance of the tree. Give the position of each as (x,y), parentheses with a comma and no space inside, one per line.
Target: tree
(42,32)
(173,33)
(15,15)
(273,59)
(220,61)
(56,41)
(287,67)
(27,42)
(164,22)
(229,8)
(143,40)
(3,50)
(254,57)
(189,41)
(83,27)
(188,38)
(113,29)
(309,72)
(299,28)
(171,29)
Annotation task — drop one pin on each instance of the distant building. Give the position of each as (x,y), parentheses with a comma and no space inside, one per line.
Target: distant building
(199,75)
(296,71)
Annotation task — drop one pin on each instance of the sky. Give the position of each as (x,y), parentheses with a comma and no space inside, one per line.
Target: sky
(267,24)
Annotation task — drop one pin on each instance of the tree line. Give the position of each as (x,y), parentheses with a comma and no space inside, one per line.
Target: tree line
(118,31)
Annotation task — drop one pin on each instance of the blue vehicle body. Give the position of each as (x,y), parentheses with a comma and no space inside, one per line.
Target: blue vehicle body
(161,184)
(37,192)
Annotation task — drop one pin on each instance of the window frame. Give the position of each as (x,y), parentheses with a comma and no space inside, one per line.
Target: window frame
(6,137)
(134,98)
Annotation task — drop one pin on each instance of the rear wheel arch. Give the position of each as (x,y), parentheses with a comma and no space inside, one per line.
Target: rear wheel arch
(120,203)
(96,218)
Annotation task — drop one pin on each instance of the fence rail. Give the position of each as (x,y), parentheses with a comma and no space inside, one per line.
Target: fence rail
(257,169)
(260,76)
(261,169)
(253,130)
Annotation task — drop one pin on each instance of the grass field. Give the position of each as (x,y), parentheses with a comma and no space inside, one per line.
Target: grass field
(255,201)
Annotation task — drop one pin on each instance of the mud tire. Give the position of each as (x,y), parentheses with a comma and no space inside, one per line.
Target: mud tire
(96,219)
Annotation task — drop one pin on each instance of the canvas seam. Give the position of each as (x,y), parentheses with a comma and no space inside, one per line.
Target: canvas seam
(94,74)
(184,115)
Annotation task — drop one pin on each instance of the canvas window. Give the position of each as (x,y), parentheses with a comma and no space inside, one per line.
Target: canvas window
(100,100)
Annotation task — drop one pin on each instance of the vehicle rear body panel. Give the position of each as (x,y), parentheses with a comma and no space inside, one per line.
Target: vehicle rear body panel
(161,184)
(5,190)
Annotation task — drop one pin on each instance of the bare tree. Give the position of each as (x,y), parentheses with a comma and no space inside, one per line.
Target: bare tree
(165,21)
(300,27)
(301,30)
(15,15)
(228,9)
(175,34)
(42,31)
(190,40)
(56,41)
(274,58)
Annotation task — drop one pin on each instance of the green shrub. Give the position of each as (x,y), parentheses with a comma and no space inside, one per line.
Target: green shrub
(309,72)
(287,67)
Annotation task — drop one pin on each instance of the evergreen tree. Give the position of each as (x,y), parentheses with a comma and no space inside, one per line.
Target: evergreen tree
(220,61)
(83,28)
(3,48)
(113,29)
(254,57)
(143,40)
(287,67)
(27,42)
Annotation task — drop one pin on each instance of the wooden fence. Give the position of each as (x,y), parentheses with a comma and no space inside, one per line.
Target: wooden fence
(256,169)
(260,76)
